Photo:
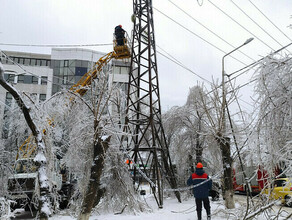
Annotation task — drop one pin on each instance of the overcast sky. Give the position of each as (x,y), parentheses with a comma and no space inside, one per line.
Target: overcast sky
(63,22)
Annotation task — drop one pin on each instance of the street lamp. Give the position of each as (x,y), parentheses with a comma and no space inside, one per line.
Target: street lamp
(225,143)
(223,85)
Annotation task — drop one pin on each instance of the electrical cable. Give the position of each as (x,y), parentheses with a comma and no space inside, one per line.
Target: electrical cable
(195,34)
(256,23)
(200,4)
(270,21)
(186,68)
(254,63)
(55,45)
(169,54)
(230,79)
(241,25)
(208,29)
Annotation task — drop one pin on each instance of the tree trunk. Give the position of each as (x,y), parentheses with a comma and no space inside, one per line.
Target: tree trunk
(224,143)
(93,192)
(44,201)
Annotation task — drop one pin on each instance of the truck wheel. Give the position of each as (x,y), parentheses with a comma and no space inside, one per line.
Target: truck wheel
(288,200)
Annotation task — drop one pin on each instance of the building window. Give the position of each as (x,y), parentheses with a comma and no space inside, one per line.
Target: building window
(27,79)
(21,60)
(124,70)
(32,62)
(84,64)
(26,61)
(20,79)
(9,77)
(66,63)
(6,76)
(80,71)
(8,99)
(42,97)
(117,70)
(44,80)
(38,62)
(72,63)
(43,62)
(16,60)
(35,80)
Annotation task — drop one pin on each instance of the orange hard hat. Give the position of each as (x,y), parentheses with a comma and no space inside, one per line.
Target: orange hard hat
(199,165)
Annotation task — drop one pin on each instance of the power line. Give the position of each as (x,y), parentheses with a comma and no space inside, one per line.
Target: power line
(183,66)
(169,54)
(256,23)
(208,29)
(196,34)
(270,20)
(177,62)
(277,51)
(55,45)
(240,25)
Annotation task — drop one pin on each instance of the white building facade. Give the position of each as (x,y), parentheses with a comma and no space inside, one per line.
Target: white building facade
(42,75)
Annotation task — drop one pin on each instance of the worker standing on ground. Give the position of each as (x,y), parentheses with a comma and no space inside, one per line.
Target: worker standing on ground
(120,35)
(202,185)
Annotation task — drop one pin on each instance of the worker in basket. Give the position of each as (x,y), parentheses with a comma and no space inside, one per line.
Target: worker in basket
(120,35)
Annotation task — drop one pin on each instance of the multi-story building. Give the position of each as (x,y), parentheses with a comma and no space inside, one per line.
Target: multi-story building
(29,73)
(42,75)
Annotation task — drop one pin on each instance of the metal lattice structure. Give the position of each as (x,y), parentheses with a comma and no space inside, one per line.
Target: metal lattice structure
(147,142)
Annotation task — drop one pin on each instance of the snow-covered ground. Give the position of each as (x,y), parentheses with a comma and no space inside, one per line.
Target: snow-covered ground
(173,210)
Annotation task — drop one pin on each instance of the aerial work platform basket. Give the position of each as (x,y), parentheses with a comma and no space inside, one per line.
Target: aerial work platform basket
(122,51)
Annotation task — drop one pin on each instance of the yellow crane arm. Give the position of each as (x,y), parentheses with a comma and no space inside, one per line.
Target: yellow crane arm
(120,52)
(28,147)
(81,86)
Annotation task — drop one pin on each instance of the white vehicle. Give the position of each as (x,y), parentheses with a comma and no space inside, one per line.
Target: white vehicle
(23,184)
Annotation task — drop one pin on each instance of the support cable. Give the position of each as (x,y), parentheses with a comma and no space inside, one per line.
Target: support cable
(274,52)
(208,29)
(250,66)
(241,25)
(55,45)
(270,21)
(183,66)
(256,23)
(187,29)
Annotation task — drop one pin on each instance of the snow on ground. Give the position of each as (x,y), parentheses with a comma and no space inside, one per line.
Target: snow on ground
(172,210)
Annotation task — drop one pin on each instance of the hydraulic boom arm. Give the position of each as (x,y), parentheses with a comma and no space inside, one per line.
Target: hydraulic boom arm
(27,149)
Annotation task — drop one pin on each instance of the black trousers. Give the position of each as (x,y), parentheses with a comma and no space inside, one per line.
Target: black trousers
(206,203)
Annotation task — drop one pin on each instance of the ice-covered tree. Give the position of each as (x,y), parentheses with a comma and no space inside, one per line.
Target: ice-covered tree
(40,158)
(92,127)
(274,92)
(188,137)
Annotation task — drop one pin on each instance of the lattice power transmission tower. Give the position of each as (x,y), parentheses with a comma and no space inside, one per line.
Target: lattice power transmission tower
(147,141)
